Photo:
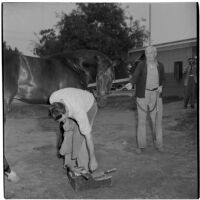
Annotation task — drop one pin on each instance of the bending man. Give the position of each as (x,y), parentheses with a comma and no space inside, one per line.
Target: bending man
(80,106)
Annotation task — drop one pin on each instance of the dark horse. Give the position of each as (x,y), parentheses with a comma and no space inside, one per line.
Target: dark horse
(32,80)
(98,68)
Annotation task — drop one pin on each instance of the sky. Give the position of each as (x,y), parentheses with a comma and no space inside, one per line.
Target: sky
(169,21)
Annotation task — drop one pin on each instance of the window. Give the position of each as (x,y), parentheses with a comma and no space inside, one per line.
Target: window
(178,70)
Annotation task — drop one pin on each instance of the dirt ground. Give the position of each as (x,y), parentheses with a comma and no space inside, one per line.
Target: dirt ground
(30,146)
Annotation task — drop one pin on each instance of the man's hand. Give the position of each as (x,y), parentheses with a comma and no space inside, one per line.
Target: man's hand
(93,164)
(159,90)
(68,125)
(128,86)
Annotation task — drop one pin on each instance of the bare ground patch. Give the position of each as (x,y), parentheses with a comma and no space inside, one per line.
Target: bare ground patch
(30,143)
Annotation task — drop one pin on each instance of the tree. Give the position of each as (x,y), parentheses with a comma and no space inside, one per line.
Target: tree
(48,43)
(97,26)
(8,49)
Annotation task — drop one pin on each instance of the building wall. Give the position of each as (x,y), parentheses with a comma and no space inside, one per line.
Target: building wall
(173,87)
(169,57)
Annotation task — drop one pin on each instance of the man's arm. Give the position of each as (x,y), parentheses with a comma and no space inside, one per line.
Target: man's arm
(93,162)
(85,129)
(163,76)
(134,77)
(160,88)
(136,74)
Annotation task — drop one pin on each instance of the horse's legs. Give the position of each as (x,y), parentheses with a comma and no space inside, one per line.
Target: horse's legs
(6,165)
(104,83)
(11,175)
(100,88)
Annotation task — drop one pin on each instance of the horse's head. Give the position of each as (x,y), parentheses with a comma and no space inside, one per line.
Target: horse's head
(104,79)
(131,63)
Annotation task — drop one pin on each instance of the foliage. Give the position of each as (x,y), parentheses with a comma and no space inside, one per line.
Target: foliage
(97,26)
(48,43)
(8,49)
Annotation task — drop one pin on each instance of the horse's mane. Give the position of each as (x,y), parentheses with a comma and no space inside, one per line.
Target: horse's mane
(96,53)
(74,57)
(62,56)
(70,53)
(72,65)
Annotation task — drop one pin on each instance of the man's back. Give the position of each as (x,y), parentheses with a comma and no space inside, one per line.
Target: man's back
(76,98)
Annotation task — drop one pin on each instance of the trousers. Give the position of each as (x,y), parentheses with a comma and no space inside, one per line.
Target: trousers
(190,92)
(143,106)
(74,143)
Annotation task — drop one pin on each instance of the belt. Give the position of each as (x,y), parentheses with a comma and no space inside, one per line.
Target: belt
(191,75)
(152,89)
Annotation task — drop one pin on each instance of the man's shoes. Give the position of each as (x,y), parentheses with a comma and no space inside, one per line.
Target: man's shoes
(139,150)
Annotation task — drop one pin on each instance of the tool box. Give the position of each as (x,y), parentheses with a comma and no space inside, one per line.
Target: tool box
(82,180)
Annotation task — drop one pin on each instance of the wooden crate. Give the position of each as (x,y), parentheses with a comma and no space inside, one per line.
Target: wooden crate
(80,183)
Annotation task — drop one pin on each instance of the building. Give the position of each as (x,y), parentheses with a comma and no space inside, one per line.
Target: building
(174,56)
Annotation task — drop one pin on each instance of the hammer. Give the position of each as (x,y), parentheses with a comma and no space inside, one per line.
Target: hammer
(100,174)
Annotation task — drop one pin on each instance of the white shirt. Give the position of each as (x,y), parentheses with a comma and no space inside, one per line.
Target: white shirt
(78,103)
(152,76)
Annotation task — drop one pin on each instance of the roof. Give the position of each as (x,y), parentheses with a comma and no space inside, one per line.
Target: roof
(170,45)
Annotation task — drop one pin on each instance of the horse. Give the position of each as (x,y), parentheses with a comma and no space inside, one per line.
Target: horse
(122,69)
(98,67)
(126,67)
(32,80)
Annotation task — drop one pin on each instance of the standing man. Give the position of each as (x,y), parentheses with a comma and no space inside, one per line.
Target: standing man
(190,81)
(79,105)
(148,78)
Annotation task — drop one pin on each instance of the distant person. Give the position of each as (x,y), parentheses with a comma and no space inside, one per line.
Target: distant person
(148,78)
(190,80)
(76,109)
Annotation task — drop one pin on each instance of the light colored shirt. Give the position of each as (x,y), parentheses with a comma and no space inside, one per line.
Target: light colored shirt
(78,103)
(152,76)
